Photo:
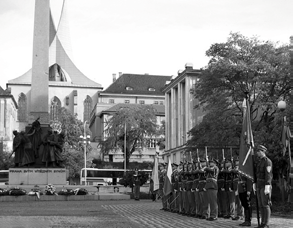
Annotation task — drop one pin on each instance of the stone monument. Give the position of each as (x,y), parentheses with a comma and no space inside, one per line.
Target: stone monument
(34,168)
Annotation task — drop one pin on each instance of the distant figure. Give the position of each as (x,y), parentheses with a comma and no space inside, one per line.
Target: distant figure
(18,148)
(151,191)
(136,182)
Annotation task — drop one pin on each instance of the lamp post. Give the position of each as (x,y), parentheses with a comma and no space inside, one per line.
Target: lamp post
(85,140)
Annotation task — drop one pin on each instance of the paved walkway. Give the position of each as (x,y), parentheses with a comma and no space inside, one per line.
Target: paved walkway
(108,214)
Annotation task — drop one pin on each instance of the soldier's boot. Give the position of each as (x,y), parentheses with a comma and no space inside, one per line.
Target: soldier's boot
(247,215)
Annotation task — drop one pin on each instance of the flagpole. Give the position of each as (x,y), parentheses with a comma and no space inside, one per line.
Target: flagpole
(253,163)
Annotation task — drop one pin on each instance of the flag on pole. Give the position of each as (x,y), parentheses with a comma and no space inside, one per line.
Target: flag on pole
(246,143)
(286,136)
(155,173)
(167,189)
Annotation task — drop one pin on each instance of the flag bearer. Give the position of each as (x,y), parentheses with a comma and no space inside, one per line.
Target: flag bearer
(263,186)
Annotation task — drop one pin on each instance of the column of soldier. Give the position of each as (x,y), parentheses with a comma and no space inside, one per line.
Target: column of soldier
(207,190)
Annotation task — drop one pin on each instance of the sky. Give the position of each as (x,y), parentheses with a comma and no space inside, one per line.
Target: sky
(140,36)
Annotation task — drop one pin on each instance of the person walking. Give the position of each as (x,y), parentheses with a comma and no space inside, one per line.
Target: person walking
(263,185)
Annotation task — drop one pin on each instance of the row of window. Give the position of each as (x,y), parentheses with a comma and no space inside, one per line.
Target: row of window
(112,101)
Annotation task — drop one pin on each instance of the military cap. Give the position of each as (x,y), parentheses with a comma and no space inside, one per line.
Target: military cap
(261,148)
(174,164)
(202,160)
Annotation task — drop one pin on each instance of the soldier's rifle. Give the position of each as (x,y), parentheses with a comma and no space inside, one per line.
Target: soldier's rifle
(207,157)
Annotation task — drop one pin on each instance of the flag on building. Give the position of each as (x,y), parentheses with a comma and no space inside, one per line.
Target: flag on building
(167,189)
(246,143)
(155,173)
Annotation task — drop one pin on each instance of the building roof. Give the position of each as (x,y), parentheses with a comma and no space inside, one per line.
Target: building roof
(141,84)
(159,108)
(7,94)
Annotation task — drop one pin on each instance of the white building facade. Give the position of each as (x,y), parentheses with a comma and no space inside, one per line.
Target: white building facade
(180,112)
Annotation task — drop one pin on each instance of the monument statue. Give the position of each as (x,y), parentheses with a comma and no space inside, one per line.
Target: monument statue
(53,145)
(35,136)
(17,148)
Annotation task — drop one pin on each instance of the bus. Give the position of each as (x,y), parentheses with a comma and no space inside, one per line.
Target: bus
(101,177)
(4,177)
(104,177)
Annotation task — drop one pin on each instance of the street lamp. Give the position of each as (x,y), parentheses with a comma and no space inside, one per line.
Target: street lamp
(85,140)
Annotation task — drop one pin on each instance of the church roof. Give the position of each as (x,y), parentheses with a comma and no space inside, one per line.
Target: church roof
(142,84)
(60,54)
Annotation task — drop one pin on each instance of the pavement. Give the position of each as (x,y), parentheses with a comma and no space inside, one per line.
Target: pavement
(107,214)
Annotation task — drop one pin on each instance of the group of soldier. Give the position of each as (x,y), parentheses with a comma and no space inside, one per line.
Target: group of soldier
(208,189)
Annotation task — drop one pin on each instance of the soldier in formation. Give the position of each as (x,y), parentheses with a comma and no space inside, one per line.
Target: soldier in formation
(208,189)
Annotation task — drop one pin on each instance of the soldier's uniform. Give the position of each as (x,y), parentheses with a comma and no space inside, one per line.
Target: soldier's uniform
(264,178)
(179,199)
(203,203)
(229,206)
(162,175)
(238,206)
(244,190)
(184,178)
(190,195)
(174,188)
(221,191)
(196,190)
(212,189)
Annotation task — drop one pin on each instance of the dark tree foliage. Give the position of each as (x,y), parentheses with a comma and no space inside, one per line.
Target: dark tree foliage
(139,124)
(243,65)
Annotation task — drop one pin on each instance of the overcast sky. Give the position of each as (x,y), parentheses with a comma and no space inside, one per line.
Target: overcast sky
(140,36)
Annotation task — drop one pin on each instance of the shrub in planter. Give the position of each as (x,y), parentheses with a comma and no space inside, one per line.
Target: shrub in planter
(4,192)
(66,192)
(17,191)
(80,191)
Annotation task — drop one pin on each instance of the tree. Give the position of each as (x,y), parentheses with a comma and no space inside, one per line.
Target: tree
(73,155)
(243,65)
(136,123)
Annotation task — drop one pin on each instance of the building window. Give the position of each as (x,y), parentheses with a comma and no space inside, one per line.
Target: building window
(87,104)
(111,101)
(67,100)
(110,157)
(151,143)
(127,101)
(55,108)
(156,102)
(22,108)
(161,102)
(141,102)
(128,88)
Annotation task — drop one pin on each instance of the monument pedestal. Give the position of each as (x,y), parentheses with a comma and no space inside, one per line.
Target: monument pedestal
(37,176)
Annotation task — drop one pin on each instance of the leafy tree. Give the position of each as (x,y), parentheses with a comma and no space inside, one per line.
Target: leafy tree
(5,161)
(136,123)
(73,154)
(239,66)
